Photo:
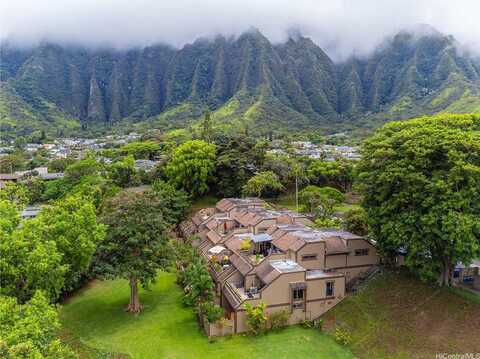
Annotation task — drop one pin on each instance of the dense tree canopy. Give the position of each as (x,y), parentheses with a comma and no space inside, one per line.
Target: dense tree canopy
(237,160)
(191,167)
(263,183)
(30,330)
(28,261)
(338,174)
(421,185)
(141,150)
(123,172)
(320,200)
(175,202)
(72,224)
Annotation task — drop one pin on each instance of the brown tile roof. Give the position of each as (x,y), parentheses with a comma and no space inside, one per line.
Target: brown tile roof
(202,215)
(214,237)
(335,245)
(227,204)
(240,263)
(9,176)
(266,272)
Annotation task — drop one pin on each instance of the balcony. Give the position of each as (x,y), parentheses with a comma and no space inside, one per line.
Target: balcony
(236,294)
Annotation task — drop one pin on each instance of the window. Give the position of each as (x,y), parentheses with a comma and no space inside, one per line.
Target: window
(361,252)
(297,294)
(329,291)
(456,273)
(309,257)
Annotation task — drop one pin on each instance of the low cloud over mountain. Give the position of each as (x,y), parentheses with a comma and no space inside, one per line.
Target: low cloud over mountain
(341,27)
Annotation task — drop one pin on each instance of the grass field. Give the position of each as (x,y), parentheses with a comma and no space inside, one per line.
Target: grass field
(94,318)
(397,316)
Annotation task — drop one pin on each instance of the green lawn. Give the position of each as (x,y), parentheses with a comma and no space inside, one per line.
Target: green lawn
(287,200)
(397,316)
(203,202)
(165,329)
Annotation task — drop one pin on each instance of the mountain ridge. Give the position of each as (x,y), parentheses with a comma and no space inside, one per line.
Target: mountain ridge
(242,80)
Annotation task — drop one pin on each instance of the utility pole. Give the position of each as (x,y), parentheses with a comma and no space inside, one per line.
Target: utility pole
(296,190)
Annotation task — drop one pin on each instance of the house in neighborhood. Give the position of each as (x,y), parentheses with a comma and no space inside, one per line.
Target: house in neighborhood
(467,275)
(256,255)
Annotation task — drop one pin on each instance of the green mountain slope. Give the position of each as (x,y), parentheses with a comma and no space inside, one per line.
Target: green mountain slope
(245,81)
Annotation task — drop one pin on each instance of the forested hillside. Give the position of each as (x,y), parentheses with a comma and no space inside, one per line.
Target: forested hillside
(247,82)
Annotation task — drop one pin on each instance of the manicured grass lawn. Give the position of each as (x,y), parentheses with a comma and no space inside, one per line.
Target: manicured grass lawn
(397,316)
(203,202)
(166,329)
(285,200)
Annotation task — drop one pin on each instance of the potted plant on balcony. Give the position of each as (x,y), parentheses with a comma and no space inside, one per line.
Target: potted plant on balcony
(246,244)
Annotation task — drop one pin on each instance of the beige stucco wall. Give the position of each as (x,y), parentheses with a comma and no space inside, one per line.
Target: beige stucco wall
(353,260)
(312,248)
(277,297)
(335,261)
(317,304)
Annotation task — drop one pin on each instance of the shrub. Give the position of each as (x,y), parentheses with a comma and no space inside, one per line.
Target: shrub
(342,336)
(307,323)
(278,319)
(319,324)
(256,318)
(212,311)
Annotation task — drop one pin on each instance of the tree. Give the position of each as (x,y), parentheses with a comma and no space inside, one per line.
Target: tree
(191,166)
(237,160)
(72,224)
(320,200)
(30,330)
(84,168)
(28,262)
(207,127)
(256,317)
(60,164)
(12,162)
(420,180)
(123,172)
(175,202)
(9,217)
(355,221)
(141,150)
(338,174)
(14,193)
(137,243)
(263,183)
(198,283)
(35,187)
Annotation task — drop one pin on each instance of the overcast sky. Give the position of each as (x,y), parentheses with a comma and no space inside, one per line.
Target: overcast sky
(342,27)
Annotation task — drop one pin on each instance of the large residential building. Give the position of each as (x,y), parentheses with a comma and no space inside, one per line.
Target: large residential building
(257,254)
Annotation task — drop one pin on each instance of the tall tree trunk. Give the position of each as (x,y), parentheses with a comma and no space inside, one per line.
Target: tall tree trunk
(134,306)
(445,279)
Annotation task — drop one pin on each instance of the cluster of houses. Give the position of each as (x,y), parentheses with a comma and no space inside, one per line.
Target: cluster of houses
(257,254)
(74,147)
(325,152)
(322,152)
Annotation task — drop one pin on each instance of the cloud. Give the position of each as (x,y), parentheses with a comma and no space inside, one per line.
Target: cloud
(342,27)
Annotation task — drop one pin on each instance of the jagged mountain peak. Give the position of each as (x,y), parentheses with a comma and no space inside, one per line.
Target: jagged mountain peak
(294,83)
